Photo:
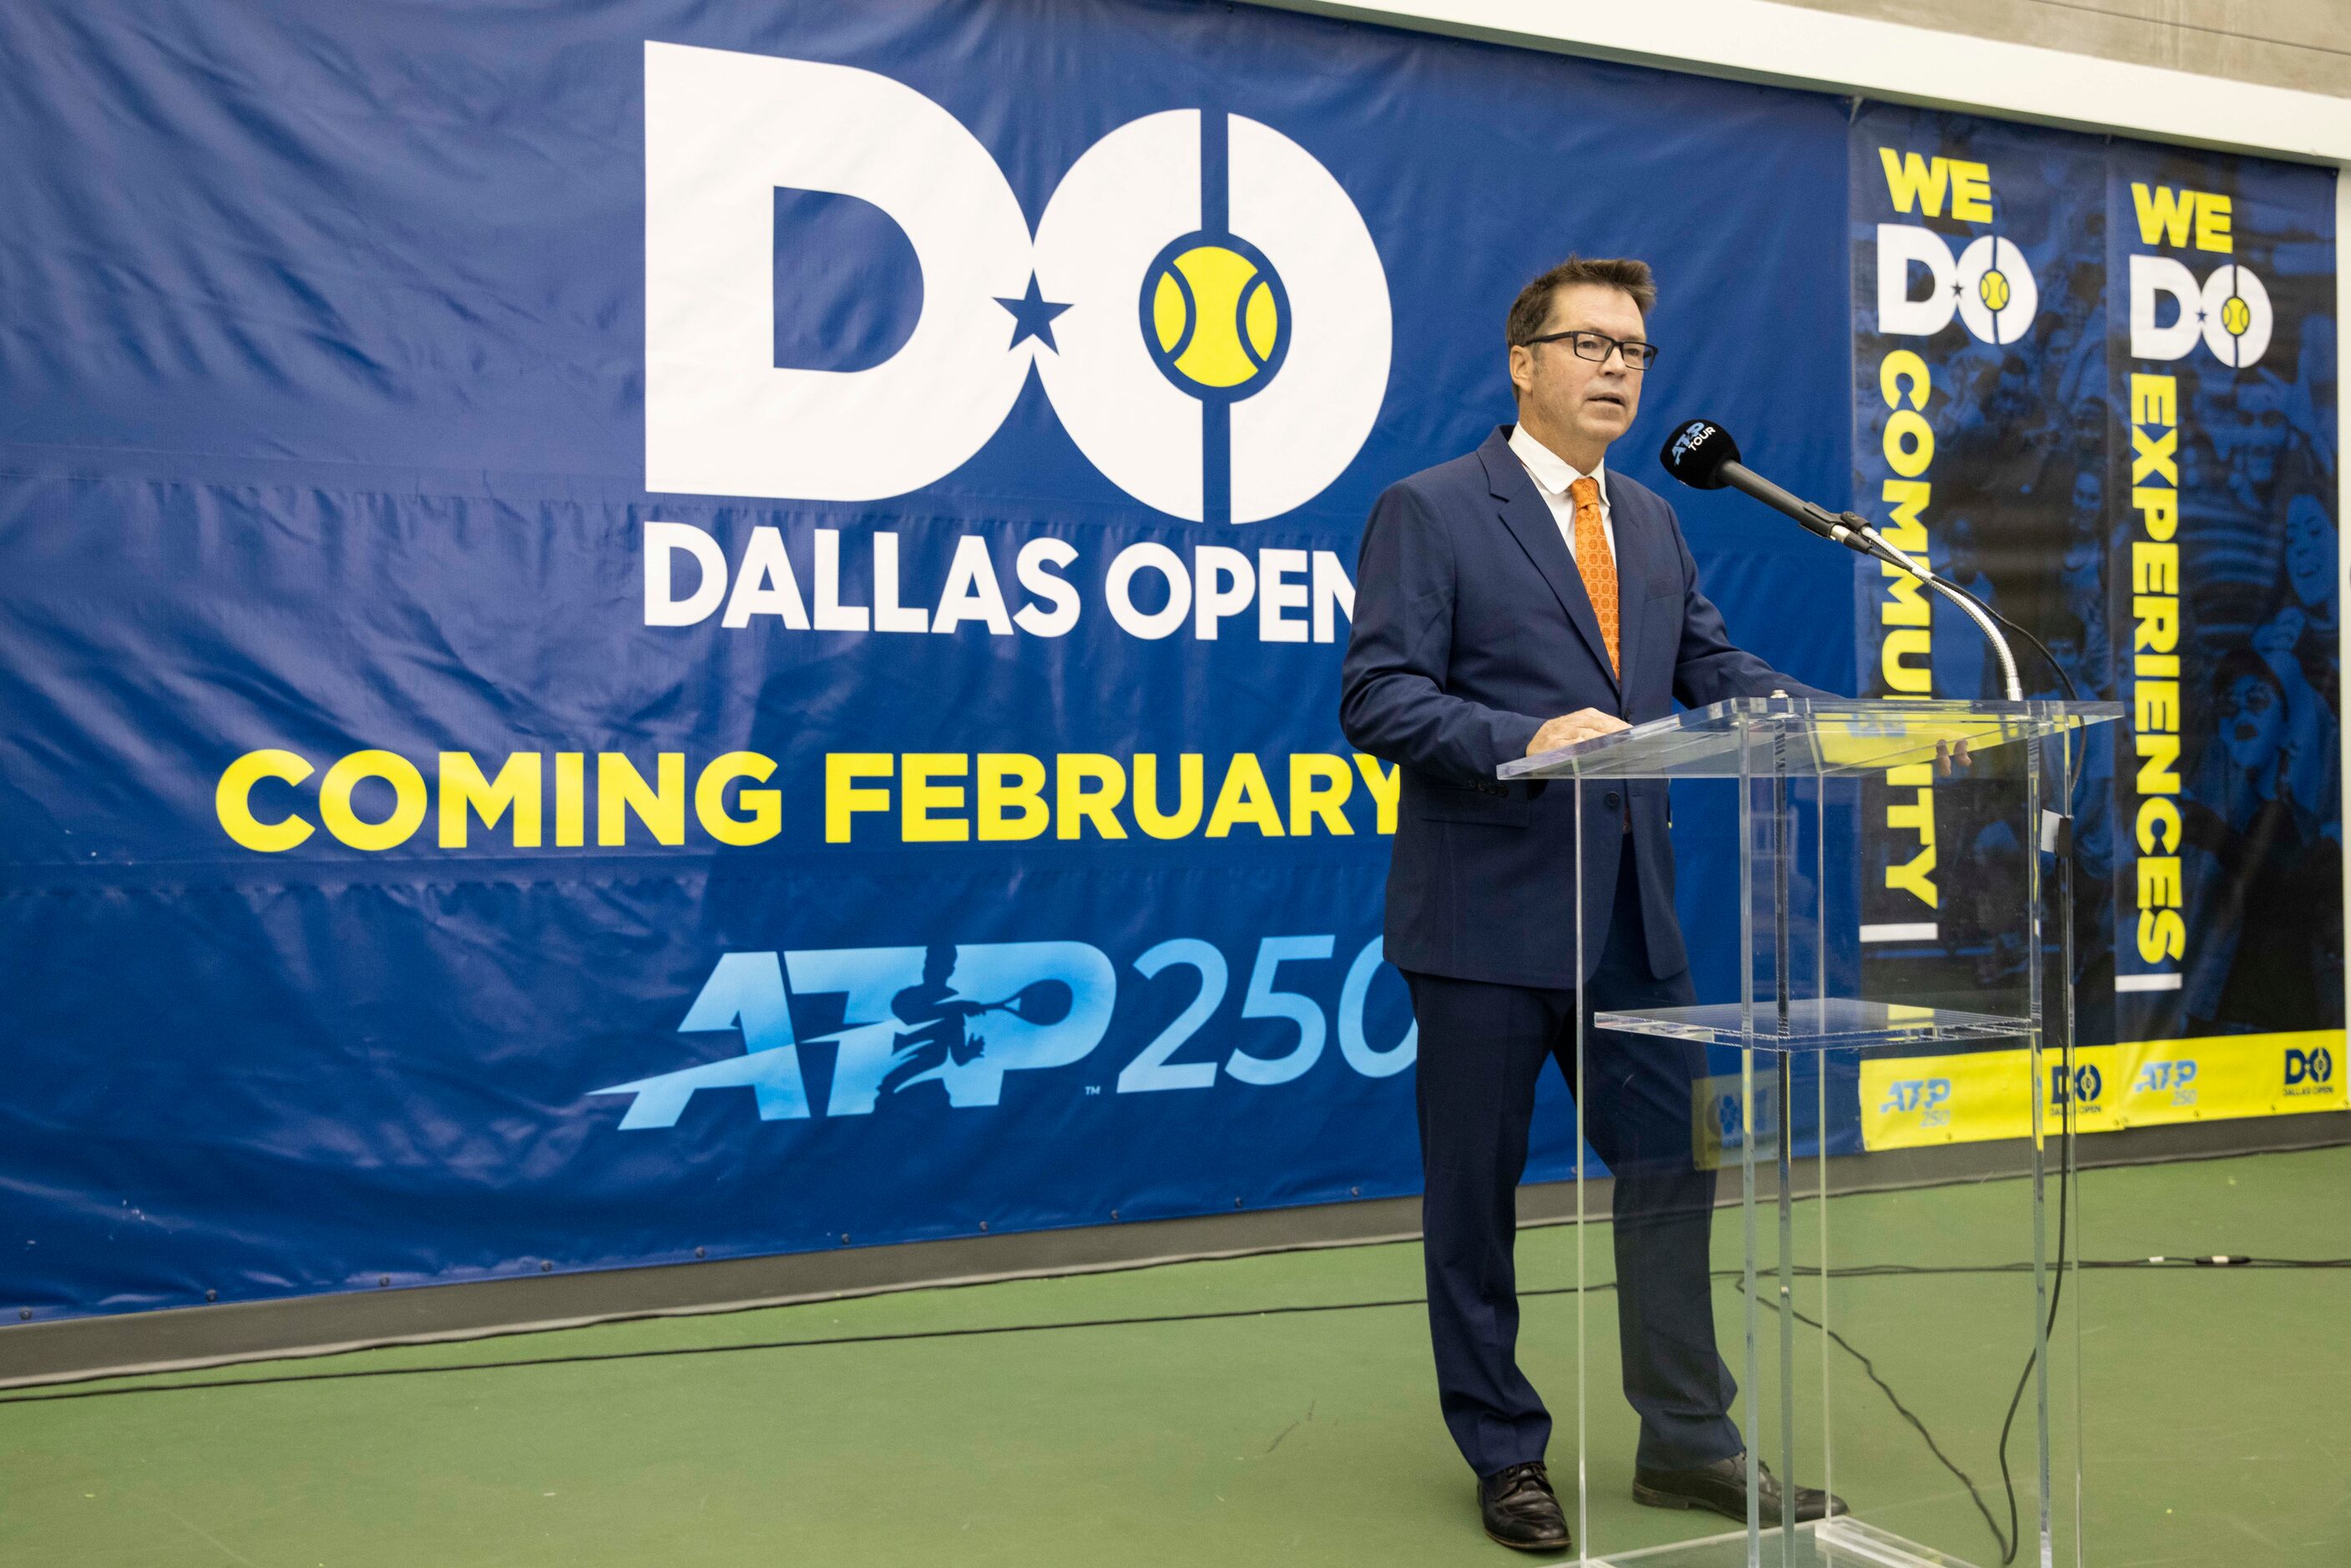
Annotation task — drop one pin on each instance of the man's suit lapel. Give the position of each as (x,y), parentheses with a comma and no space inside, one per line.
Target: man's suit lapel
(1529,521)
(1632,568)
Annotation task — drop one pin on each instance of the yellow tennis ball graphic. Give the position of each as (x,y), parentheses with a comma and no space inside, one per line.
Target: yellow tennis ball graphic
(1993,291)
(1216,316)
(2236,316)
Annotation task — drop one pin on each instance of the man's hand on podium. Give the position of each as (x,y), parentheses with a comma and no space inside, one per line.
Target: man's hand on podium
(1569,728)
(1951,758)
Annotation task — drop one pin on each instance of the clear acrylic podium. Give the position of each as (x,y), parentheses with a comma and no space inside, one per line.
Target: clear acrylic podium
(1912,1305)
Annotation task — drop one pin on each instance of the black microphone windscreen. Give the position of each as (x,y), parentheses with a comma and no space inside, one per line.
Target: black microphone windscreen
(1696,451)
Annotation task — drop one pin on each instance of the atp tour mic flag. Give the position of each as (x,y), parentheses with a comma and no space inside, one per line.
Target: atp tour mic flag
(645,632)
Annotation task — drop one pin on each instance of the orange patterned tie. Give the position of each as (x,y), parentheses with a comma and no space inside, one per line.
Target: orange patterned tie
(1592,561)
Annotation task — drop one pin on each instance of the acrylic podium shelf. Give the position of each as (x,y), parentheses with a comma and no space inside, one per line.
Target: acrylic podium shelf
(1772,749)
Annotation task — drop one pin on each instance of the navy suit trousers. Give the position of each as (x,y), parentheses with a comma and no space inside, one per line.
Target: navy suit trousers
(1482,1048)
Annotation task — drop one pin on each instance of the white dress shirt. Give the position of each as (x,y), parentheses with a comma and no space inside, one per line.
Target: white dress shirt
(1552,475)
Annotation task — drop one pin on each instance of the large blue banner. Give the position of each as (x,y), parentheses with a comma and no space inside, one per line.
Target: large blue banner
(645,631)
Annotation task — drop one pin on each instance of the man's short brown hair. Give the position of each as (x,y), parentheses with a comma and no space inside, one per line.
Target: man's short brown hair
(1531,309)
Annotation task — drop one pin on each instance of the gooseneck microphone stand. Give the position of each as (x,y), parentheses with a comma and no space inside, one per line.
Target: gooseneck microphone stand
(1878,546)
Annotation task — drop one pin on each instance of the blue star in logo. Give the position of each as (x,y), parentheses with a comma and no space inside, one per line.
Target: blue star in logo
(1032,317)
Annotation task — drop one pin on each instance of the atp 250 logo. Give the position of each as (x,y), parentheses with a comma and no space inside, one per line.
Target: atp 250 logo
(1929,1099)
(950,1020)
(1200,299)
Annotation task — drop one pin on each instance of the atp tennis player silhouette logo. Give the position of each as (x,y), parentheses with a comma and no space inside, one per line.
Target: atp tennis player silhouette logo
(1201,300)
(939,1036)
(957,1017)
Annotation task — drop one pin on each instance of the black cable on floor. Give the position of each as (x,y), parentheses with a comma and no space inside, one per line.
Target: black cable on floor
(2009,1543)
(1870,1368)
(1853,1271)
(909,1335)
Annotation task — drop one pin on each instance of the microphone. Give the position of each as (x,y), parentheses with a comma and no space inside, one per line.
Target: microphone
(1701,455)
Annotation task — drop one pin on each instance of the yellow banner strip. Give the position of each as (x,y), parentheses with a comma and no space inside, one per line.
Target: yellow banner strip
(1911,1100)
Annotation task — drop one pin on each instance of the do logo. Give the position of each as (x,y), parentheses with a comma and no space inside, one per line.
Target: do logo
(2088,1084)
(2309,1066)
(2229,312)
(1988,286)
(1200,299)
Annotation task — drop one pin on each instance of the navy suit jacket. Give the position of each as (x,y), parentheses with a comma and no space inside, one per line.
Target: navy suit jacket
(1472,628)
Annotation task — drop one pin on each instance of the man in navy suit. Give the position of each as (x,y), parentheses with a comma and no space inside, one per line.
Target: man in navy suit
(1508,603)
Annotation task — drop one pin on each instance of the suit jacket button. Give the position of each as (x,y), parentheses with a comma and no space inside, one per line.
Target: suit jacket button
(1612,800)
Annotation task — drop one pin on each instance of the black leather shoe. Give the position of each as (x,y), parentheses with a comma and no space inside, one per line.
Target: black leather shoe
(1521,1510)
(1721,1488)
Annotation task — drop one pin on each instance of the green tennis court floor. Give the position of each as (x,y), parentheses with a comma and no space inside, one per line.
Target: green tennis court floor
(1262,1410)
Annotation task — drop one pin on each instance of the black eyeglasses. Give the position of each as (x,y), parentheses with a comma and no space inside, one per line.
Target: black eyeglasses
(1596,347)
